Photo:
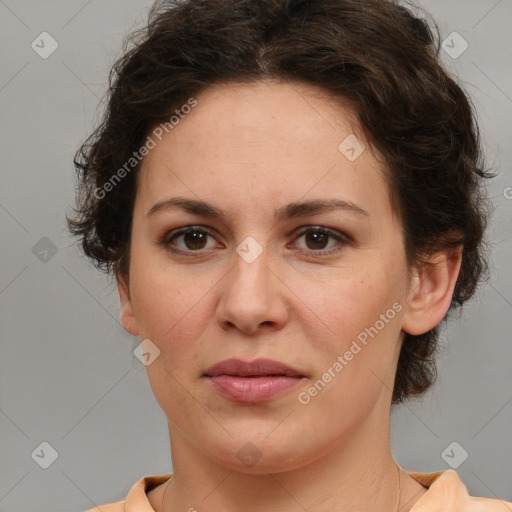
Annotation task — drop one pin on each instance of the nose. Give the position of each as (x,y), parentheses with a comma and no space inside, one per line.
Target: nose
(252,297)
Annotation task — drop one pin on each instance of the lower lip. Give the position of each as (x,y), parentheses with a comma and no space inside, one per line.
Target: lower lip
(252,390)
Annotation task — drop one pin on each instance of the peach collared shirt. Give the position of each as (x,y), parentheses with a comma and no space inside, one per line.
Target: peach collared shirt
(446,493)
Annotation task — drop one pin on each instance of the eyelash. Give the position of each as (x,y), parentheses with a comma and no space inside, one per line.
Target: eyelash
(339,237)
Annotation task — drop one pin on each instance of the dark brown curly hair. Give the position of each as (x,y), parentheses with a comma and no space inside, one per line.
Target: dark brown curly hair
(380,57)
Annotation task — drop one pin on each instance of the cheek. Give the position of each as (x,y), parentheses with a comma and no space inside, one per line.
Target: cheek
(345,306)
(171,312)
(358,364)
(165,299)
(358,352)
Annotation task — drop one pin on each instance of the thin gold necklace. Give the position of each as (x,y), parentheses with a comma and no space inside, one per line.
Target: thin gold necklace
(397,479)
(398,485)
(166,487)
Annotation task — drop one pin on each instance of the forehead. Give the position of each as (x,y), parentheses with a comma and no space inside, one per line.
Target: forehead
(264,142)
(235,117)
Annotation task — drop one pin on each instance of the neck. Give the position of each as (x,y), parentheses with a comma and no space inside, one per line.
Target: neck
(357,473)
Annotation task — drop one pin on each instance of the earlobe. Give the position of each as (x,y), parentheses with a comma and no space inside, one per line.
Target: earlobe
(431,291)
(128,319)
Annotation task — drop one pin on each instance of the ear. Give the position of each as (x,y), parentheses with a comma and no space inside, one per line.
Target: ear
(128,319)
(431,291)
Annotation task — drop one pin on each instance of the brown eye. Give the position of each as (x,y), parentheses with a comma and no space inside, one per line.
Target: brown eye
(321,241)
(195,240)
(190,239)
(317,239)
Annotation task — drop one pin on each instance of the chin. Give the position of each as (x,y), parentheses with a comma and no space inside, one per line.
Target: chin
(254,452)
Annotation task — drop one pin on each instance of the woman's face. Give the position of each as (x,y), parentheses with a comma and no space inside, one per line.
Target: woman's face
(257,281)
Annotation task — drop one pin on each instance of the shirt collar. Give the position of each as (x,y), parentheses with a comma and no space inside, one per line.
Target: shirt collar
(446,492)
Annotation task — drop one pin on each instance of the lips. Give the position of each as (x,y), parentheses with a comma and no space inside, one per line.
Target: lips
(256,368)
(252,382)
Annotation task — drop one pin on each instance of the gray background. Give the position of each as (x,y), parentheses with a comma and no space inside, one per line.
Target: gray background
(67,373)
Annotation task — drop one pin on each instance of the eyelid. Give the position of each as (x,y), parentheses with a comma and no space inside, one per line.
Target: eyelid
(175,233)
(323,229)
(342,238)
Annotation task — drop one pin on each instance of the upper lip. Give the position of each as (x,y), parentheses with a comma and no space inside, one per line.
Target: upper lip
(256,368)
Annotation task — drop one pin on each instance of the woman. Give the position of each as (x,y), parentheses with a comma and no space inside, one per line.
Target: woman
(289,194)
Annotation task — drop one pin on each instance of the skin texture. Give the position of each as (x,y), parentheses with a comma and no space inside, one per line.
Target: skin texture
(250,149)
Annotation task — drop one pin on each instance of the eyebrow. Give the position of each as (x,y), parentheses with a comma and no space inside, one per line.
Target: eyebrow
(292,210)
